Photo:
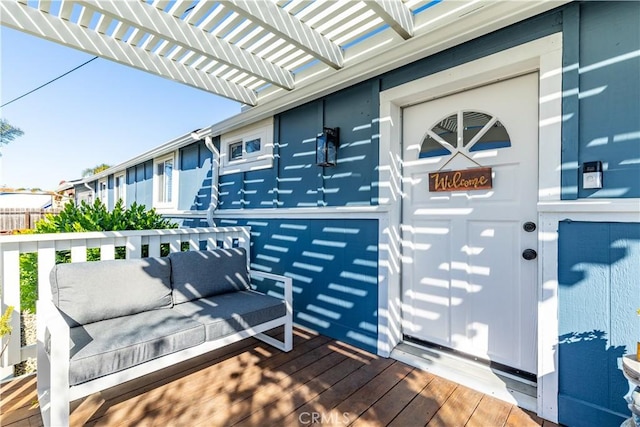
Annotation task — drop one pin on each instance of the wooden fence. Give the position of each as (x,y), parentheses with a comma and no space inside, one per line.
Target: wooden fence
(21,218)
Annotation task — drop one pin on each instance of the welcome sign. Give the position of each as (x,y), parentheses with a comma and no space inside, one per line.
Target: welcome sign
(462,180)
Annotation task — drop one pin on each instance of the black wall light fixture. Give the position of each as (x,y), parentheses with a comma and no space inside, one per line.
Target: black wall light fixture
(327,147)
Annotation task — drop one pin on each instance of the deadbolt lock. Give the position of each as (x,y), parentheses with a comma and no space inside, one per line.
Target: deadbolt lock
(529,254)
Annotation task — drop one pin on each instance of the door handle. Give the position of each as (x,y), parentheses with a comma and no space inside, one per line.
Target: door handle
(529,254)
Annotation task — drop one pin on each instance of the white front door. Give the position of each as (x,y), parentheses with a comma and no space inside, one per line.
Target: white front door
(465,282)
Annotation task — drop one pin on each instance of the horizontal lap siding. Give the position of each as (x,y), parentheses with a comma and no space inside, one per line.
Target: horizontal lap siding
(599,293)
(334,268)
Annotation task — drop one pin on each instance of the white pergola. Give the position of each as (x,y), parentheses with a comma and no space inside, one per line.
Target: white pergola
(264,51)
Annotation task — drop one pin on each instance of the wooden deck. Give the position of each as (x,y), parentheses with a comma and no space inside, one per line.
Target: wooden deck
(321,381)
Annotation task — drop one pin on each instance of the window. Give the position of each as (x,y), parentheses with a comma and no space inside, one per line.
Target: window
(235,151)
(250,148)
(468,130)
(119,187)
(165,185)
(102,190)
(244,149)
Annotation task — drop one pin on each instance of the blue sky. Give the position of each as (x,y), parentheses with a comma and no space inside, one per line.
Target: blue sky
(102,113)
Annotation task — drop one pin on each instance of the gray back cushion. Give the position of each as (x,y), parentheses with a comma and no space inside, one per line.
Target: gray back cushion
(88,292)
(201,274)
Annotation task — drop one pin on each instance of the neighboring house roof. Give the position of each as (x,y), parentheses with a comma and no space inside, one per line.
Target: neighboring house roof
(25,200)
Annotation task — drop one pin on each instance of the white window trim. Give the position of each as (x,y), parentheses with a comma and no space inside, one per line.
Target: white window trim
(262,159)
(123,192)
(103,196)
(172,205)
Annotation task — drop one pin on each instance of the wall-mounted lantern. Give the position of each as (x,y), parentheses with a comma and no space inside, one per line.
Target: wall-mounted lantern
(327,147)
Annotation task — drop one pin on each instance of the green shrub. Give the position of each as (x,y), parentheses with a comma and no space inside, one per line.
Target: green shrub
(85,217)
(5,327)
(96,217)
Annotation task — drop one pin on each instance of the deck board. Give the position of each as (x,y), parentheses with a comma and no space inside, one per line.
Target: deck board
(252,384)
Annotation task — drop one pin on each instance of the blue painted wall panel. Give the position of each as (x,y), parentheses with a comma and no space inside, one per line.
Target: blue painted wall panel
(258,189)
(230,191)
(195,177)
(298,176)
(610,95)
(299,181)
(599,292)
(334,268)
(531,29)
(350,181)
(140,184)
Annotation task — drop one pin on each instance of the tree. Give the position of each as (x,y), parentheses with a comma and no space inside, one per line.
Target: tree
(8,132)
(95,170)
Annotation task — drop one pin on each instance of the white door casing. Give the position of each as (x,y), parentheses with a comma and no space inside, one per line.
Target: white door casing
(544,56)
(465,283)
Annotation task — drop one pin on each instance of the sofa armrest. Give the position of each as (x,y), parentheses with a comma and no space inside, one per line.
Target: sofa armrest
(288,300)
(50,318)
(286,281)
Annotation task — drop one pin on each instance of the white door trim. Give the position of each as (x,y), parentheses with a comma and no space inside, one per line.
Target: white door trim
(542,55)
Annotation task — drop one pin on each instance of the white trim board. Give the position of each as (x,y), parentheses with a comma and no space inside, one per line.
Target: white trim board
(543,56)
(344,212)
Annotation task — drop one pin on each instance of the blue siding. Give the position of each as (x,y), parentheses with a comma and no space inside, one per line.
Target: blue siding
(195,177)
(350,182)
(616,102)
(230,190)
(298,176)
(517,34)
(110,193)
(599,293)
(140,184)
(257,191)
(605,117)
(334,268)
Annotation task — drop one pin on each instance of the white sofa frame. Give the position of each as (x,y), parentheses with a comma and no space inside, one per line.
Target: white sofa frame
(55,393)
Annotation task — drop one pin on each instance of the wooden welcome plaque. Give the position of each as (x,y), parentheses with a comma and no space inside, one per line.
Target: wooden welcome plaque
(462,180)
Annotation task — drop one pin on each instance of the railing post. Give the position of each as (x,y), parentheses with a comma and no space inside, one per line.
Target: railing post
(46,261)
(154,246)
(134,247)
(10,267)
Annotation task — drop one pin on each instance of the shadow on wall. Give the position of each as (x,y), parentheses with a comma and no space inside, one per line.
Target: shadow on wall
(598,270)
(593,364)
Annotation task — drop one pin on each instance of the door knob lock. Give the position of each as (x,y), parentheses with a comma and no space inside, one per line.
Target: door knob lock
(529,254)
(529,226)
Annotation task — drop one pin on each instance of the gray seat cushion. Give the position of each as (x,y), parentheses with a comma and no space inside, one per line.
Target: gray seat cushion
(199,274)
(112,345)
(226,314)
(88,292)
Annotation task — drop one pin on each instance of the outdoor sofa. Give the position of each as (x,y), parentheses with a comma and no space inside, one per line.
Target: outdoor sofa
(113,321)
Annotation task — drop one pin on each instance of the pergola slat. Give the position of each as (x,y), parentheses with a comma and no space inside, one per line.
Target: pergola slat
(249,50)
(396,14)
(144,16)
(41,24)
(281,23)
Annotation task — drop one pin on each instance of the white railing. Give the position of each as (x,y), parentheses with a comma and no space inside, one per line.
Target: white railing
(133,242)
